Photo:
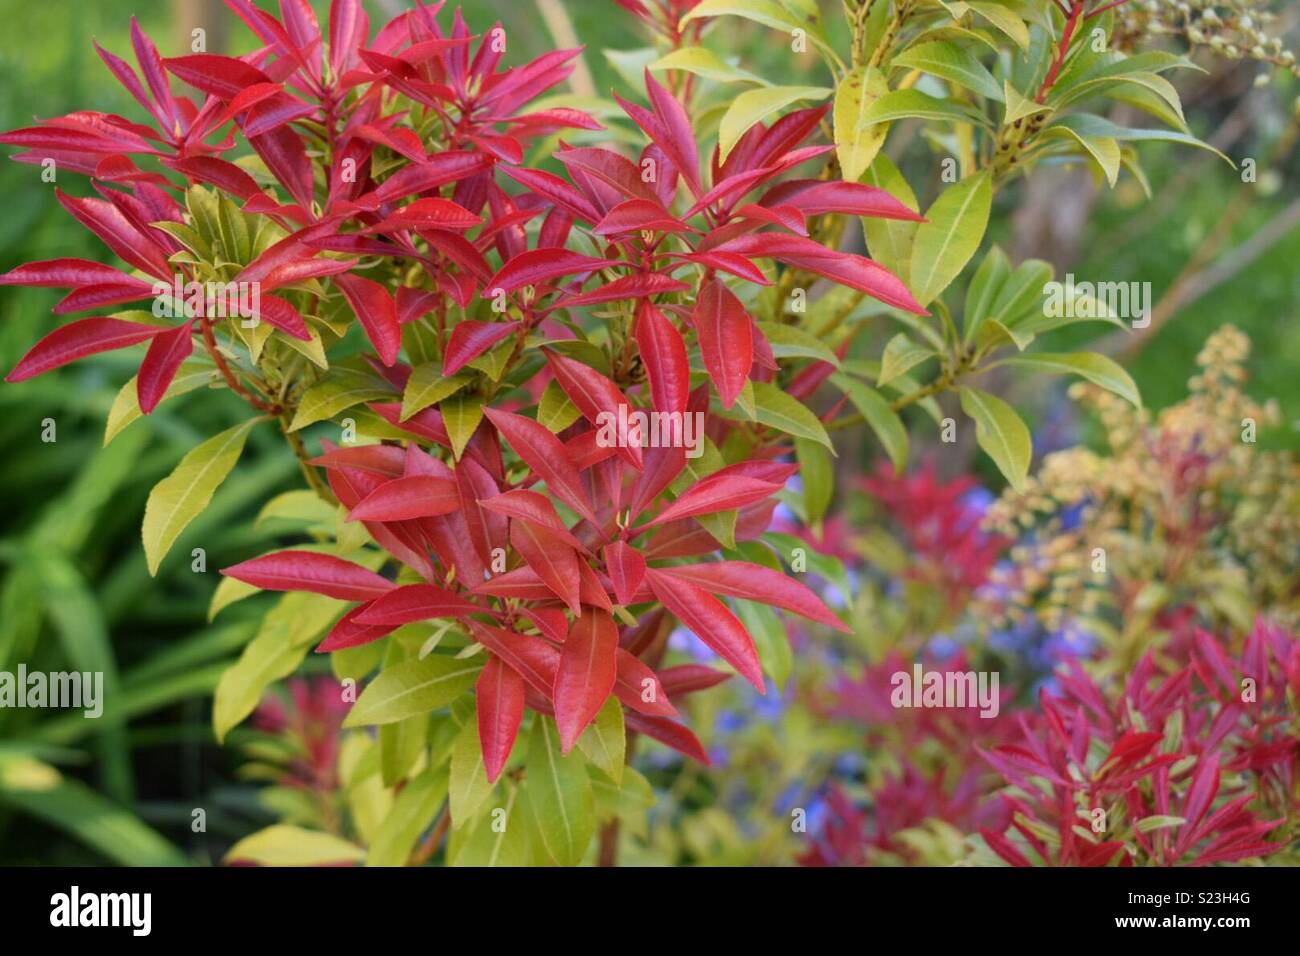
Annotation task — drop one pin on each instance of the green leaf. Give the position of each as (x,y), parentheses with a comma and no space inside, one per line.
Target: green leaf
(176,500)
(1096,368)
(469,785)
(900,356)
(752,106)
(411,814)
(285,845)
(817,475)
(890,240)
(913,104)
(461,414)
(604,742)
(1103,150)
(884,421)
(427,386)
(626,801)
(400,745)
(951,234)
(770,640)
(413,687)
(281,643)
(984,287)
(779,410)
(767,12)
(556,410)
(341,388)
(1018,105)
(951,62)
(1087,124)
(559,795)
(1000,432)
(1005,21)
(1158,822)
(856,144)
(301,507)
(126,406)
(704,62)
(498,838)
(790,341)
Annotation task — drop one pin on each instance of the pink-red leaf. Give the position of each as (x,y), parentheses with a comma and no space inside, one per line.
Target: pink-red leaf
(377,312)
(416,496)
(77,340)
(711,621)
(585,676)
(311,571)
(166,353)
(725,331)
(500,707)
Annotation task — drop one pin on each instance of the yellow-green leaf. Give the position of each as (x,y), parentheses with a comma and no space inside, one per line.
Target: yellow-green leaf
(181,496)
(1000,432)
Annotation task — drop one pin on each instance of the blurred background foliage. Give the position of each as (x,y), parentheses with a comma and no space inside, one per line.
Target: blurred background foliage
(74,590)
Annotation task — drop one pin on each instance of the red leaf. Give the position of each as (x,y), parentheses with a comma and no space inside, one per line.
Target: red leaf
(814,197)
(1201,794)
(689,678)
(585,676)
(72,274)
(418,496)
(116,231)
(311,571)
(554,561)
(530,657)
(725,331)
(348,632)
(594,395)
(757,583)
(387,460)
(556,191)
(638,286)
(856,272)
(732,263)
(286,157)
(166,353)
(221,76)
(711,621)
(637,686)
(545,455)
(714,493)
(415,602)
(670,733)
(500,706)
(470,339)
(1004,848)
(627,569)
(664,354)
(670,128)
(225,176)
(78,339)
(633,215)
(539,265)
(377,311)
(524,505)
(432,213)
